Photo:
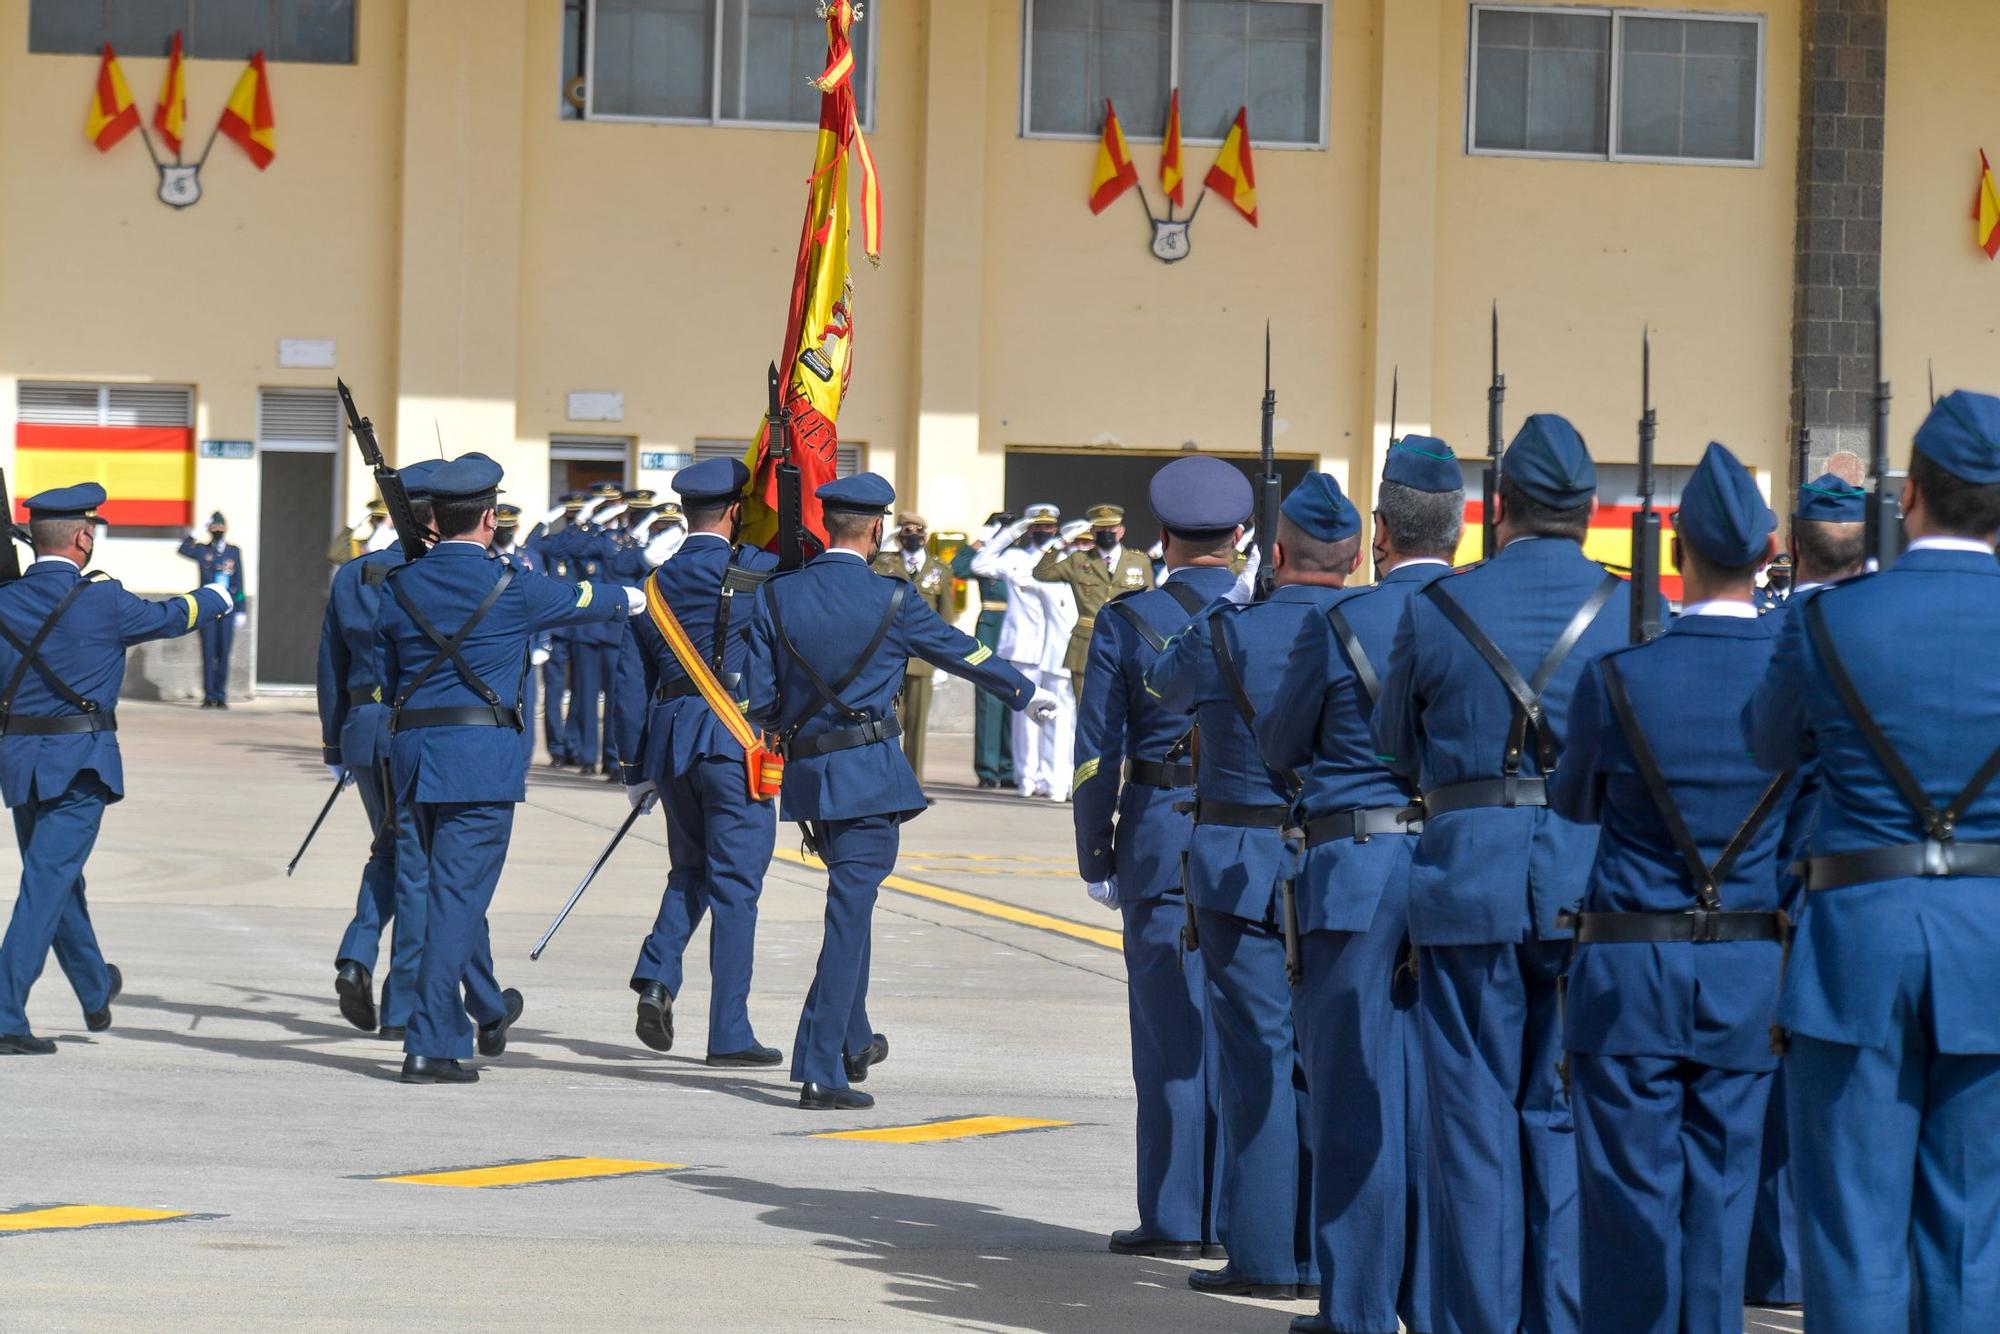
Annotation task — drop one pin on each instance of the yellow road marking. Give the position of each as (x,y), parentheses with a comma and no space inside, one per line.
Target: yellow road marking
(979,903)
(532,1173)
(63,1217)
(932,1132)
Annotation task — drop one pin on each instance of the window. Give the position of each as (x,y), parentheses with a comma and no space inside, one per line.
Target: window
(1637,85)
(579,462)
(721,62)
(1267,55)
(305,421)
(312,31)
(846,458)
(136,440)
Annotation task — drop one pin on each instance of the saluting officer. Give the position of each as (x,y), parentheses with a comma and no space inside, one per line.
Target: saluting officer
(992,740)
(912,560)
(453,637)
(1034,637)
(828,647)
(1674,982)
(1095,575)
(1891,997)
(1473,709)
(549,551)
(507,542)
(719,838)
(63,636)
(1354,1004)
(219,561)
(1134,767)
(593,647)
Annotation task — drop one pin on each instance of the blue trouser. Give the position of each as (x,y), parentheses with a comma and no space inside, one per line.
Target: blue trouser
(216,638)
(555,680)
(719,846)
(1174,1071)
(55,837)
(1503,1165)
(587,681)
(393,888)
(1667,1154)
(1898,1165)
(1772,1276)
(465,847)
(859,855)
(1267,1180)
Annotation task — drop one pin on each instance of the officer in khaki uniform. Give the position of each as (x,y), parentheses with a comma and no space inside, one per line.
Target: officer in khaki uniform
(1095,575)
(910,559)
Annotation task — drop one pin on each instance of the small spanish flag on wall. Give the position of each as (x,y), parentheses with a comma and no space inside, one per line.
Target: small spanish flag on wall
(1986,209)
(171,113)
(1173,177)
(247,117)
(1115,172)
(1233,176)
(113,114)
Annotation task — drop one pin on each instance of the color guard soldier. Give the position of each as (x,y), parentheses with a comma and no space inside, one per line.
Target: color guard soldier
(992,742)
(219,561)
(1095,575)
(910,559)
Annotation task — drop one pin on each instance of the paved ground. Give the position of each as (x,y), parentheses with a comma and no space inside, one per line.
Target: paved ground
(231,1091)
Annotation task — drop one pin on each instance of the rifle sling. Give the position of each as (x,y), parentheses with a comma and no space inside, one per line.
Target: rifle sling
(1232,680)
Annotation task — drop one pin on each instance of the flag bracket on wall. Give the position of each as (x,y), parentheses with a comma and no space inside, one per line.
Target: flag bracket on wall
(1233,178)
(246,119)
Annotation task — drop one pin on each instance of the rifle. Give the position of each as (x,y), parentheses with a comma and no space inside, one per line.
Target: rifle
(589,876)
(1270,489)
(409,531)
(1489,480)
(792,535)
(10,559)
(1884,529)
(1395,388)
(1646,523)
(324,811)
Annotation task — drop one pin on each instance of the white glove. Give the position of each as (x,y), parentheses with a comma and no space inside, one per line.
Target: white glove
(642,795)
(635,602)
(221,586)
(1043,706)
(612,512)
(590,507)
(555,512)
(337,772)
(539,656)
(195,536)
(241,619)
(1245,588)
(661,548)
(1011,534)
(1103,891)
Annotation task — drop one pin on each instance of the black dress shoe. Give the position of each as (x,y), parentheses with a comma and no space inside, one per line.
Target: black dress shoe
(357,995)
(874,1053)
(1226,1282)
(27,1044)
(819,1098)
(493,1037)
(1309,1324)
(656,1017)
(99,1020)
(1135,1242)
(391,1032)
(431,1070)
(748,1056)
(1214,1250)
(987,784)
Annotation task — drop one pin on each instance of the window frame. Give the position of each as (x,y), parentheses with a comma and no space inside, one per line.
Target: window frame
(714,119)
(1617,15)
(1026,130)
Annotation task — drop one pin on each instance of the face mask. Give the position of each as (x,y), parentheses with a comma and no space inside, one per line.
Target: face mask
(1042,536)
(912,541)
(1106,538)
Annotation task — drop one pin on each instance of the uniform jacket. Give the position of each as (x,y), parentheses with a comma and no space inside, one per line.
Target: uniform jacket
(1920,640)
(1118,720)
(579,554)
(217,562)
(86,652)
(1491,876)
(1093,579)
(1712,1003)
(829,610)
(992,591)
(1039,616)
(356,735)
(932,585)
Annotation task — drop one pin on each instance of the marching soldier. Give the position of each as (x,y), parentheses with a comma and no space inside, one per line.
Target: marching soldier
(454,632)
(911,560)
(1674,982)
(1034,637)
(219,562)
(63,636)
(1134,768)
(992,744)
(828,646)
(1891,998)
(1095,575)
(1473,708)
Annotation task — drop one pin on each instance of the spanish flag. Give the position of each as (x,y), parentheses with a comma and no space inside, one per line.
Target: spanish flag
(1986,209)
(1233,176)
(1115,172)
(247,117)
(113,114)
(171,113)
(1172,176)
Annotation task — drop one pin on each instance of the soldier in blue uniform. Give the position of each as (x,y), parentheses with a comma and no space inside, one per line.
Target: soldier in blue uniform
(1134,766)
(507,542)
(63,636)
(992,739)
(1355,1000)
(593,648)
(1473,709)
(1674,982)
(719,840)
(828,646)
(219,562)
(453,634)
(546,549)
(1891,997)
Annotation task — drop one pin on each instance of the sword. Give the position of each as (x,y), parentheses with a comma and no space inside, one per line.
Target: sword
(331,797)
(589,876)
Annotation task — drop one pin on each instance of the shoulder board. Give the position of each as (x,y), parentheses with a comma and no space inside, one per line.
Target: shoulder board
(375,572)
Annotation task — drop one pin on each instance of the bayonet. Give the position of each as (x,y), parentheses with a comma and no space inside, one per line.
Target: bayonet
(1395,386)
(1884,528)
(1646,615)
(410,532)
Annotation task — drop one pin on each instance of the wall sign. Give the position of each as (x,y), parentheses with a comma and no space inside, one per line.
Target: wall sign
(306,354)
(595,405)
(228,449)
(652,460)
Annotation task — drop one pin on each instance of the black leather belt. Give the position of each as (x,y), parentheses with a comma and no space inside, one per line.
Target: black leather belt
(730,681)
(1503,792)
(1697,927)
(1242,817)
(1931,859)
(1159,773)
(68,725)
(470,715)
(359,695)
(843,738)
(1363,823)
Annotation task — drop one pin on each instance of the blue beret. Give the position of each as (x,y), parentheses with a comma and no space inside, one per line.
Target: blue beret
(1827,499)
(1962,436)
(863,493)
(1199,495)
(66,502)
(417,477)
(1723,515)
(467,477)
(1550,463)
(712,481)
(1319,510)
(1423,463)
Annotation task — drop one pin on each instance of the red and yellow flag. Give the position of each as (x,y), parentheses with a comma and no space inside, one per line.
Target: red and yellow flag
(171,112)
(247,117)
(1986,209)
(113,114)
(1172,176)
(149,470)
(819,326)
(1233,176)
(1115,173)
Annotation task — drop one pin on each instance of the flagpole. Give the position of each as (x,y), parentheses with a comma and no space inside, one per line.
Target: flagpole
(1140,186)
(202,161)
(147,139)
(1197,202)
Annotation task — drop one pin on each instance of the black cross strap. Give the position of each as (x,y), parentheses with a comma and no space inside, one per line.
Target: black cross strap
(31,656)
(1526,696)
(1707,878)
(1357,657)
(450,649)
(830,694)
(1183,593)
(735,580)
(1232,680)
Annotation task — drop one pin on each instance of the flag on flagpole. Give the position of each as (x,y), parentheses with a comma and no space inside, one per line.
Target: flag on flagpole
(1115,173)
(1172,175)
(170,113)
(247,117)
(1233,176)
(113,114)
(1986,209)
